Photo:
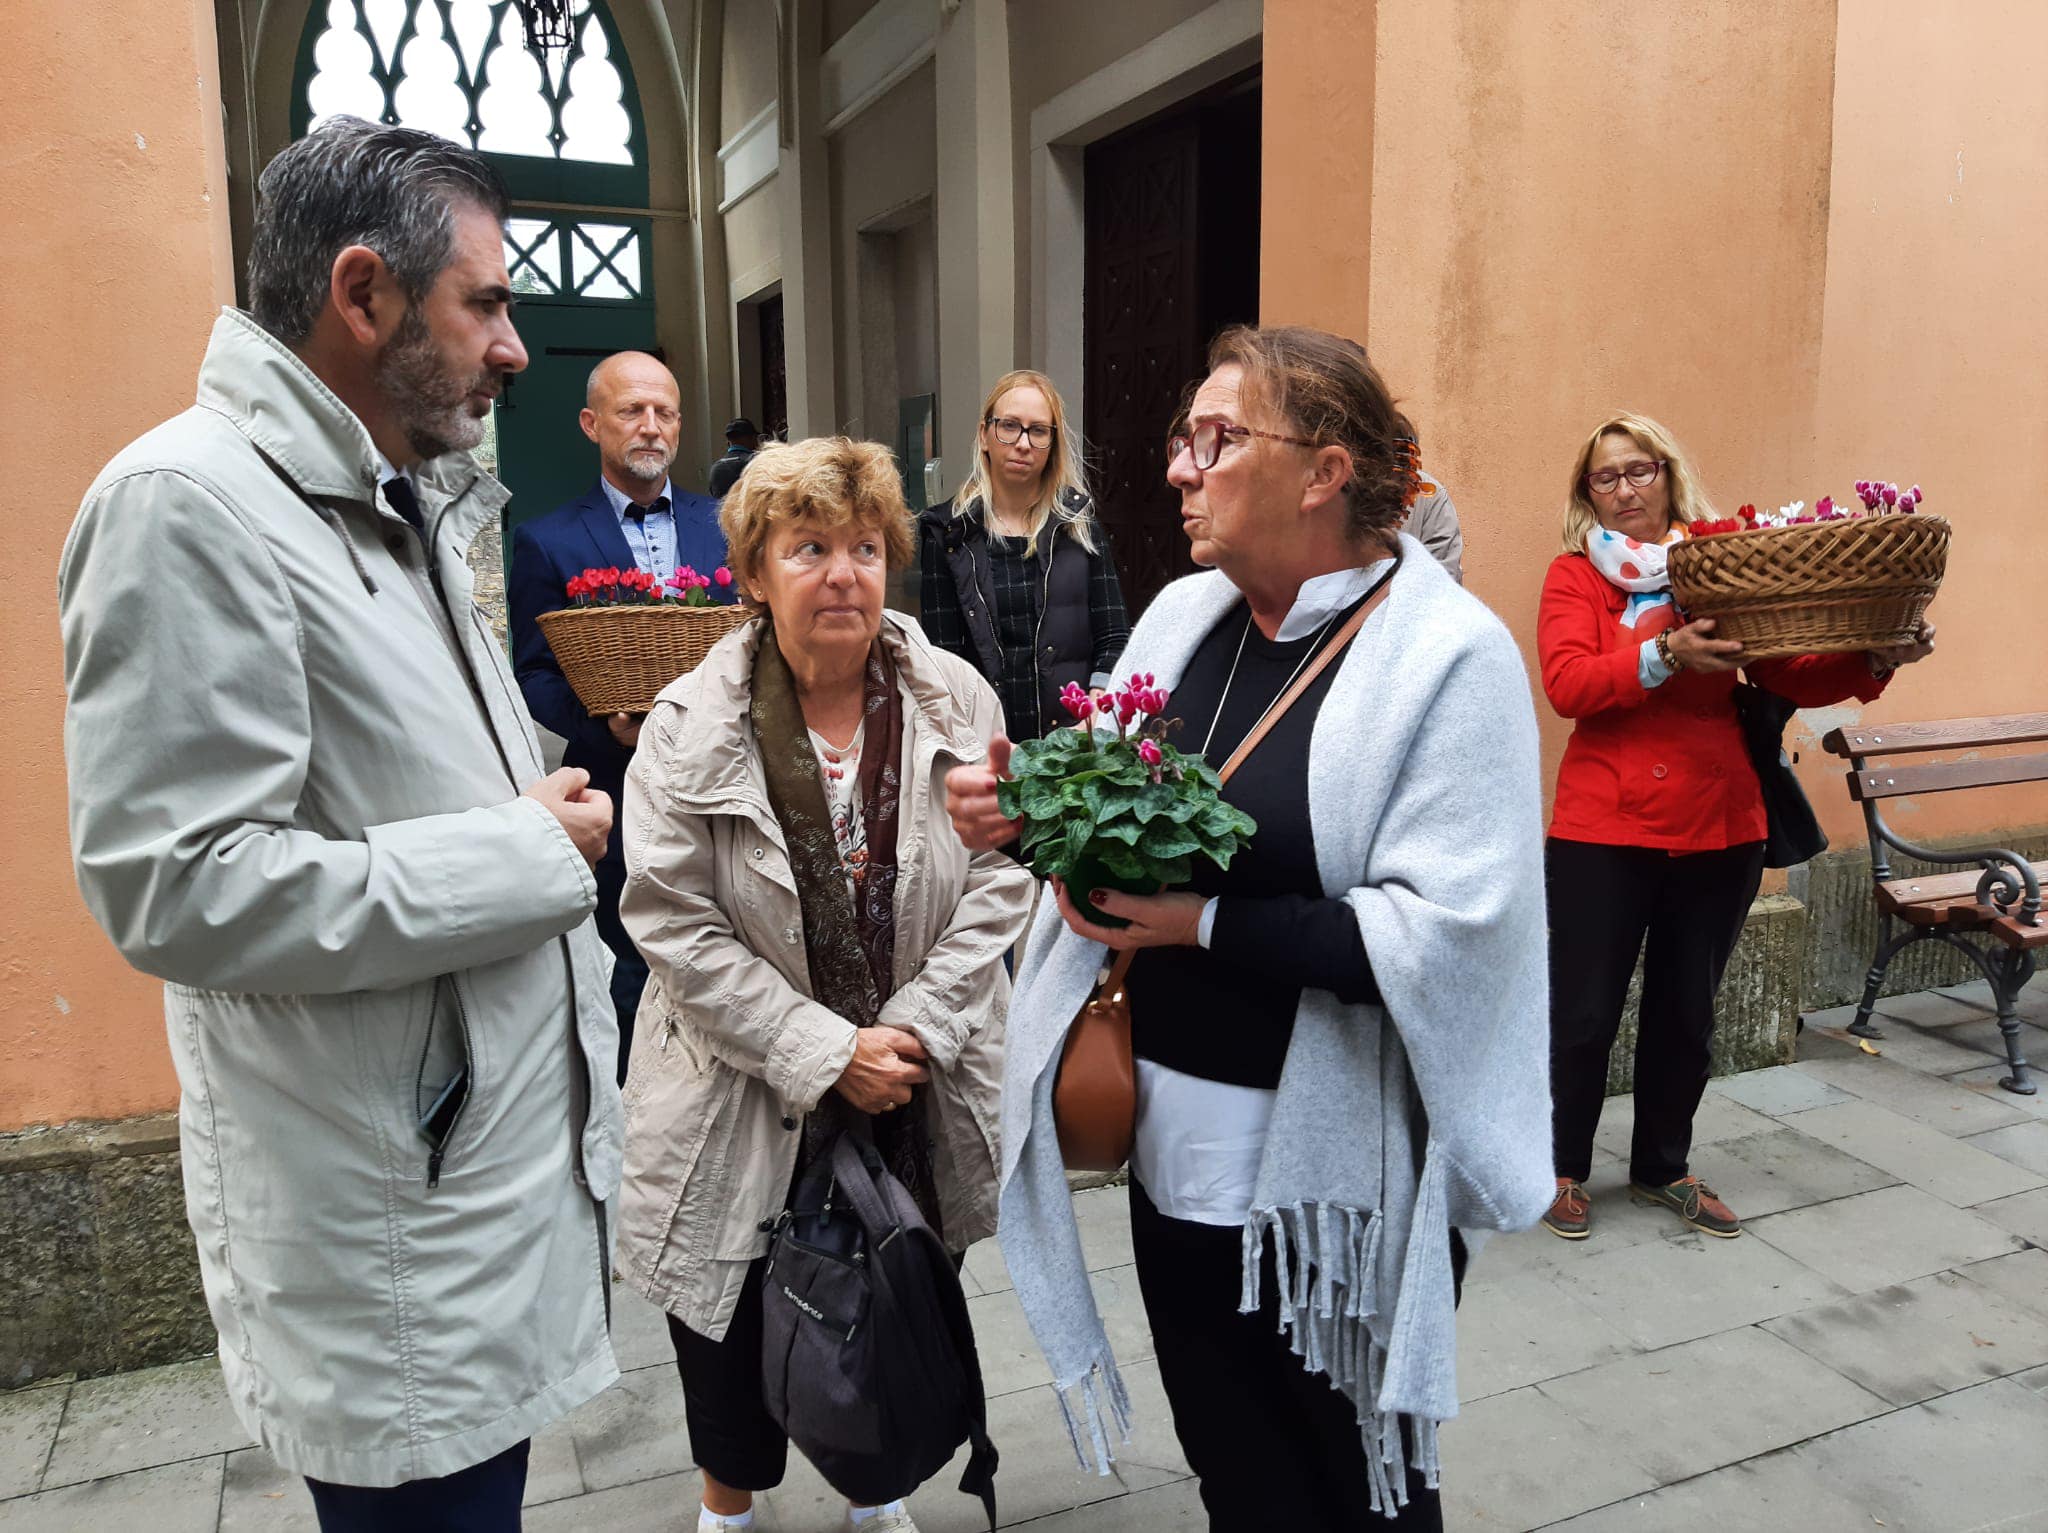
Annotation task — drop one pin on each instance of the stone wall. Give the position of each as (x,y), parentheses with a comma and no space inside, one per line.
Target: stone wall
(97,1269)
(1756,1019)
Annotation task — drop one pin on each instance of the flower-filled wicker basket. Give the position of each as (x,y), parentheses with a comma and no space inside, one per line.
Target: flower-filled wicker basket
(1817,587)
(618,658)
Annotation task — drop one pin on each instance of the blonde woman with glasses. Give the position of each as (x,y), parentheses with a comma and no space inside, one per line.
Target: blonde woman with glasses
(1018,578)
(1658,829)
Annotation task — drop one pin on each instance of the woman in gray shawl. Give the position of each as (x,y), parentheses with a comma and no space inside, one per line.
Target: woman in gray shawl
(1341,1041)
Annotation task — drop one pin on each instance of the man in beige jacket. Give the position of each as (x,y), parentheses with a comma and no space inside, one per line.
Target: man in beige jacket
(305,794)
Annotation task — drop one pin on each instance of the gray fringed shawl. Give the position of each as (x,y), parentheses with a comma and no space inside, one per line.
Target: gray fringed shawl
(1390,1126)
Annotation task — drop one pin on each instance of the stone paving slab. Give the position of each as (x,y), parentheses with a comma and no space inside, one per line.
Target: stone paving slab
(1764,1174)
(1667,1291)
(1965,1461)
(257,1496)
(1913,1341)
(171,1498)
(2024,1144)
(1526,1327)
(1777,1493)
(1720,1117)
(28,1430)
(1694,1407)
(1927,1158)
(2025,1214)
(1879,1238)
(129,1421)
(1926,1099)
(1776,1091)
(1520,1460)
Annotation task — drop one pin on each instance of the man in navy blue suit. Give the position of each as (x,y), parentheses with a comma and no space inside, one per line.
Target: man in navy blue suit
(632,517)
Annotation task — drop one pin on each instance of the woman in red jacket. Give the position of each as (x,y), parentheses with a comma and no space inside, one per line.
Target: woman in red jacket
(1658,828)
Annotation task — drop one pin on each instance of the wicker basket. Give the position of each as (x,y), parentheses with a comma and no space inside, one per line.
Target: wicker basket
(618,658)
(1821,588)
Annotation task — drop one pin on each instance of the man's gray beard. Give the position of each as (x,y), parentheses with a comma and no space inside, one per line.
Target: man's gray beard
(431,403)
(634,472)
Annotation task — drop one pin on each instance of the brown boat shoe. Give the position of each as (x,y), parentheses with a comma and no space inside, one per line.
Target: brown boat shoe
(1571,1212)
(1694,1202)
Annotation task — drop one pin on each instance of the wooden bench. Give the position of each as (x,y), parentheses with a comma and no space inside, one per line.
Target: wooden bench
(1997,901)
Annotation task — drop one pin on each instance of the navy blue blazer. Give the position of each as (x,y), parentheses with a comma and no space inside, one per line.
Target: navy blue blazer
(550,551)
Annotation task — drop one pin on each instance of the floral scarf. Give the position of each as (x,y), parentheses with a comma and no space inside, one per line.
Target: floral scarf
(849,943)
(1638,568)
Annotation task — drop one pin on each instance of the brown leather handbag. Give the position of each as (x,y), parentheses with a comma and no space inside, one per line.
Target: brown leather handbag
(1095,1093)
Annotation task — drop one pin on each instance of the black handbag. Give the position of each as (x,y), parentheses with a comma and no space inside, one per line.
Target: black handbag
(1793,834)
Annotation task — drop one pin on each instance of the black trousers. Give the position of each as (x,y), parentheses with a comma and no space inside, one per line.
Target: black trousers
(483,1498)
(1274,1445)
(629,969)
(1605,901)
(732,1436)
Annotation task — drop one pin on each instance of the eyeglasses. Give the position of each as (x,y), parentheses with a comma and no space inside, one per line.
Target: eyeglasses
(1010,431)
(1602,481)
(1207,442)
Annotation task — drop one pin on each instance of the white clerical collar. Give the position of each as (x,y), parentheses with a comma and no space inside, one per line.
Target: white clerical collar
(1321,597)
(620,499)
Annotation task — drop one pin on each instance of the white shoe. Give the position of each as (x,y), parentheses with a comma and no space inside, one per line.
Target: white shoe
(885,1522)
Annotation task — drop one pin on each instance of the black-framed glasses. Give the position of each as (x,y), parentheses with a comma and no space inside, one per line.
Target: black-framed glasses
(1009,431)
(1602,481)
(1206,442)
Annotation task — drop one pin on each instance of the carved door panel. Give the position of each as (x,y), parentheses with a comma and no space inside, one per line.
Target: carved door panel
(1141,342)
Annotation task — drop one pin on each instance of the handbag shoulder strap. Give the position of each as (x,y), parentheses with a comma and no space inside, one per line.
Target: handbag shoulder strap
(1119,970)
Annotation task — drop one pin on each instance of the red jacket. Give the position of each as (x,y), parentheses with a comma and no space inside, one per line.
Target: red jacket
(1664,768)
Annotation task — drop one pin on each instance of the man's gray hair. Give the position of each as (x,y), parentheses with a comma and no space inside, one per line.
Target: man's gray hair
(351,182)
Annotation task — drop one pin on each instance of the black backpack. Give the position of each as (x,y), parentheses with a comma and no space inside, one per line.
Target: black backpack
(867,1354)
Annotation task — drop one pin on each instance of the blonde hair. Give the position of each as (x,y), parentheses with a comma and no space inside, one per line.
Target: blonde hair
(1688,500)
(1062,484)
(829,481)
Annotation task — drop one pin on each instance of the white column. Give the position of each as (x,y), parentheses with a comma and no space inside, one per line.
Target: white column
(805,189)
(976,218)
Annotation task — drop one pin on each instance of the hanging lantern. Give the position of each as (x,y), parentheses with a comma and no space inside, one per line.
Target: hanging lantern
(548,26)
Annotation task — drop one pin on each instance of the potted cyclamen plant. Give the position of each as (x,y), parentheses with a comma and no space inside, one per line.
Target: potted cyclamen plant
(1110,804)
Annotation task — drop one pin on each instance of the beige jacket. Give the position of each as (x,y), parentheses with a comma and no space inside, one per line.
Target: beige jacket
(734,1051)
(296,754)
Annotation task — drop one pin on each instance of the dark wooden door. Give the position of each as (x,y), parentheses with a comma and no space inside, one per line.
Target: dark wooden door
(1172,234)
(1138,320)
(774,421)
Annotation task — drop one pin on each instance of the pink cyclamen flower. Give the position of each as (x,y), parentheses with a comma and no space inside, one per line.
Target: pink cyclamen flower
(1889,495)
(1148,752)
(1825,505)
(1126,707)
(1076,701)
(722,575)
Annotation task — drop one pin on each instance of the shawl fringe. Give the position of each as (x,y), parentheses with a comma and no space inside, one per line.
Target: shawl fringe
(1326,1264)
(1102,1385)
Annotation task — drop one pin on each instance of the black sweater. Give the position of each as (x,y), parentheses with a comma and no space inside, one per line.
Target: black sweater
(1226,1013)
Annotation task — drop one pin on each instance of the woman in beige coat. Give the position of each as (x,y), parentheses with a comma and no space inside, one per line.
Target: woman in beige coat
(821,944)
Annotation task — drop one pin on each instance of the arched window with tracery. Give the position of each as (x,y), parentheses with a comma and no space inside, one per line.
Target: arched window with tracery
(565,131)
(562,128)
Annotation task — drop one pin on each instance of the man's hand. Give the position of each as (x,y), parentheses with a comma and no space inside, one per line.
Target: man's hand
(1695,647)
(971,800)
(585,812)
(625,728)
(886,1063)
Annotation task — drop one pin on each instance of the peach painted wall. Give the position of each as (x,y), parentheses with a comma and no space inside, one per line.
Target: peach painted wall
(1934,352)
(117,258)
(1577,209)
